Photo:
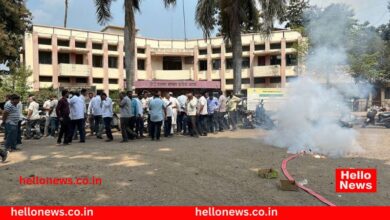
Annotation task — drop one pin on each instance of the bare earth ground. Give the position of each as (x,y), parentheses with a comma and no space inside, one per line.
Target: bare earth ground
(216,170)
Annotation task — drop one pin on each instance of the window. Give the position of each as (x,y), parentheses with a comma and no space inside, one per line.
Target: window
(229,81)
(246,48)
(62,79)
(112,47)
(276,46)
(63,43)
(44,41)
(276,60)
(245,81)
(97,46)
(202,51)
(141,50)
(45,79)
(63,58)
(261,61)
(113,81)
(216,50)
(216,64)
(97,61)
(290,44)
(229,63)
(79,59)
(291,60)
(260,47)
(229,49)
(112,62)
(172,63)
(188,60)
(141,64)
(387,93)
(124,62)
(202,65)
(44,57)
(98,80)
(245,62)
(81,44)
(259,80)
(81,80)
(275,80)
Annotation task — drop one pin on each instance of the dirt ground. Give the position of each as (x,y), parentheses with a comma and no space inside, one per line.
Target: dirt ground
(216,170)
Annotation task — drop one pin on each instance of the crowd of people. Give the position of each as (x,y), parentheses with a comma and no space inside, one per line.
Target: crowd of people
(193,114)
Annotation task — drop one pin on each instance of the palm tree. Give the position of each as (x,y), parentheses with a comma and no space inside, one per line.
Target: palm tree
(234,16)
(103,11)
(66,13)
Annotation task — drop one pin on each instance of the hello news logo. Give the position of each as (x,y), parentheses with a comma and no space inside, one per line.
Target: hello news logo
(355,180)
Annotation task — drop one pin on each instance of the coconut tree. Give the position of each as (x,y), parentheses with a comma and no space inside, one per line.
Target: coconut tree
(235,16)
(103,12)
(66,13)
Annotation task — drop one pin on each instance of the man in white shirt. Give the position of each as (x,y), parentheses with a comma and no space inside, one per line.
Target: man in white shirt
(168,119)
(191,109)
(97,112)
(221,108)
(202,114)
(89,114)
(46,108)
(107,116)
(33,117)
(175,111)
(181,116)
(76,107)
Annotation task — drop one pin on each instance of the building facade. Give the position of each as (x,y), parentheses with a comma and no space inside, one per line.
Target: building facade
(70,58)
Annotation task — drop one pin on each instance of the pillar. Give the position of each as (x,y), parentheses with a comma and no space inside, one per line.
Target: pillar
(54,60)
(283,64)
(105,67)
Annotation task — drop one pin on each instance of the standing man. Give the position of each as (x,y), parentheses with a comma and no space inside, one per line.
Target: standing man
(232,110)
(157,115)
(222,112)
(175,106)
(181,117)
(63,113)
(139,127)
(169,115)
(76,105)
(202,114)
(107,116)
(46,108)
(125,110)
(90,115)
(20,109)
(33,117)
(11,118)
(191,108)
(53,116)
(97,112)
(212,104)
(133,112)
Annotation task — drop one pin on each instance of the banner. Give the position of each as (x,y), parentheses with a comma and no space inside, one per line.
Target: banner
(272,98)
(202,212)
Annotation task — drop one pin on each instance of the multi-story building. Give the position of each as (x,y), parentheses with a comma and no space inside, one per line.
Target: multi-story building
(61,57)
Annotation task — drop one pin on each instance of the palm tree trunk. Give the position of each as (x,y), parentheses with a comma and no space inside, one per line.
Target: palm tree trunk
(236,49)
(130,33)
(66,14)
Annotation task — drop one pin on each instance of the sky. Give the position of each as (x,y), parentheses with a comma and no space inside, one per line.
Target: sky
(155,21)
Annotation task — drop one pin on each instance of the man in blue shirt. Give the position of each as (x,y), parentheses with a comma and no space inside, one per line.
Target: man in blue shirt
(134,111)
(212,106)
(157,115)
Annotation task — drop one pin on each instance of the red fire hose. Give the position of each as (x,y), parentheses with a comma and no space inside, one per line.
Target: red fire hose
(310,191)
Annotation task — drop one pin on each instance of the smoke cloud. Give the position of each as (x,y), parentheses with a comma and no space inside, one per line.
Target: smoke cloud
(309,118)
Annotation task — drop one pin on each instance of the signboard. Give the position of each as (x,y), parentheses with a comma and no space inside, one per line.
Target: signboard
(272,98)
(177,84)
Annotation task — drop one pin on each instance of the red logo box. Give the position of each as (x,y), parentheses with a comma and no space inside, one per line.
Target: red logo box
(355,180)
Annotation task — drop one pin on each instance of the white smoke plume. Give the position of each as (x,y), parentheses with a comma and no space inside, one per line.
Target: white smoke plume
(309,118)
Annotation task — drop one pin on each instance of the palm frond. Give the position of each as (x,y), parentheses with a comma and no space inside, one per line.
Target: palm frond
(205,16)
(103,10)
(271,10)
(168,3)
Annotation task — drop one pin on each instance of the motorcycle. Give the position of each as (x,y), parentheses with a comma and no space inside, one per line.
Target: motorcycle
(378,119)
(37,127)
(262,119)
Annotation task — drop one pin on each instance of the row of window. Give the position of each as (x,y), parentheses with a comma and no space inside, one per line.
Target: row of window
(62,79)
(83,44)
(246,48)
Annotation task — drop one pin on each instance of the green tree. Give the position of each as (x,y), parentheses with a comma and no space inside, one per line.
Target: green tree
(16,82)
(15,20)
(233,17)
(295,14)
(103,11)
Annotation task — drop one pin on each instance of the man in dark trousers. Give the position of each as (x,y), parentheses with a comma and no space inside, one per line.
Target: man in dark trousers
(63,112)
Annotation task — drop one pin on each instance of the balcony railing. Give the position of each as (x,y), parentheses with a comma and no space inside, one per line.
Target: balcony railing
(264,71)
(75,70)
